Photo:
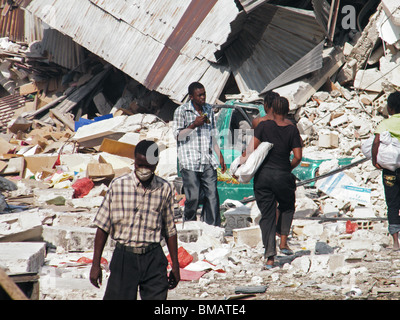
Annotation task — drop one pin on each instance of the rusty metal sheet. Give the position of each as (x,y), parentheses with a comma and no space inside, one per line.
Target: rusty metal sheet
(132,35)
(8,106)
(187,25)
(12,24)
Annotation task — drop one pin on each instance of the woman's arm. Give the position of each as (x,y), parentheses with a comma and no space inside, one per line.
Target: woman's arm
(297,155)
(375,149)
(253,145)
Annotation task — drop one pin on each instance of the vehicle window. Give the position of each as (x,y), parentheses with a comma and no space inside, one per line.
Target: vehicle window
(240,129)
(252,113)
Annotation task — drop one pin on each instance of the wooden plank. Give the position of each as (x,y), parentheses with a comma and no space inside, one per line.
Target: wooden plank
(63,118)
(103,106)
(118,148)
(10,287)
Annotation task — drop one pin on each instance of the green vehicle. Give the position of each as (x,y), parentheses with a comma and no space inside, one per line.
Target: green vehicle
(234,126)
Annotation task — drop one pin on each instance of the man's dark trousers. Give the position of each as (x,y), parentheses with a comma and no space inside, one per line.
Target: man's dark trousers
(201,187)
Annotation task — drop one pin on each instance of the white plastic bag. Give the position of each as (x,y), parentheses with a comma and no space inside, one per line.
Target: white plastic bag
(366,147)
(246,171)
(388,153)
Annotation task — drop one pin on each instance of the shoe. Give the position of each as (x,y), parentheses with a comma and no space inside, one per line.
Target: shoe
(268,266)
(286,251)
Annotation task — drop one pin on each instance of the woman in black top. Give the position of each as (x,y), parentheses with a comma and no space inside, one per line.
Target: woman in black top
(274,182)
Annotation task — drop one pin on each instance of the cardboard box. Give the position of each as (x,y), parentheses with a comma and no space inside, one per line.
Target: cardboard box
(97,171)
(6,147)
(118,148)
(40,163)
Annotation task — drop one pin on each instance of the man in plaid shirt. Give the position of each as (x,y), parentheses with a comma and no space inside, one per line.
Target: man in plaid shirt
(196,133)
(137,212)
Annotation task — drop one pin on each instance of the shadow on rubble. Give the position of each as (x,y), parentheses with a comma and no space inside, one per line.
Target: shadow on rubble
(320,248)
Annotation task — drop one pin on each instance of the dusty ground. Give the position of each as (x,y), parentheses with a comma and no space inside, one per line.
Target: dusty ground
(380,281)
(367,276)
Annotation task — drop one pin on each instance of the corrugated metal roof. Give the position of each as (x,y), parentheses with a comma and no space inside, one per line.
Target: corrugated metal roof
(33,28)
(322,9)
(312,61)
(132,34)
(17,24)
(8,106)
(249,5)
(12,23)
(61,49)
(260,55)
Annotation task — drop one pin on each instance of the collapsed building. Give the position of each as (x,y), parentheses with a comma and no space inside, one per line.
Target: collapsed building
(82,84)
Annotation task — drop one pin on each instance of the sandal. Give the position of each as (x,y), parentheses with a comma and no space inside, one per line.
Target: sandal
(268,266)
(286,251)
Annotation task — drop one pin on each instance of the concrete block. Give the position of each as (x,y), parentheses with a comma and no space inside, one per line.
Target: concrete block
(189,235)
(191,231)
(328,139)
(363,212)
(237,218)
(305,207)
(250,236)
(336,122)
(72,238)
(22,257)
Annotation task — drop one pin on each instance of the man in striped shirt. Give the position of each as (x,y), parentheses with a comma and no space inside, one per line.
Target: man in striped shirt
(137,212)
(196,133)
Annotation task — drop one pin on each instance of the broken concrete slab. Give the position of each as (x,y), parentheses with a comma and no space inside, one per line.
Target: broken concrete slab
(20,226)
(193,230)
(369,79)
(362,50)
(388,26)
(43,195)
(70,238)
(250,236)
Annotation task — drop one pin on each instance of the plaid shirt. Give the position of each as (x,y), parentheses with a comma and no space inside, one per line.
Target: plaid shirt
(136,216)
(196,150)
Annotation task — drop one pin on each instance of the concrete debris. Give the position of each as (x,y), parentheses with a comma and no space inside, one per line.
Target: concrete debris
(76,131)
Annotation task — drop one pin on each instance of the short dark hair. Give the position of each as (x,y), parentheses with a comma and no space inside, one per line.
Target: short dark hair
(149,149)
(393,101)
(193,86)
(269,98)
(280,106)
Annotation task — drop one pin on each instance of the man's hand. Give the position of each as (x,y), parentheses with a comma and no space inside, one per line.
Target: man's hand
(223,166)
(96,276)
(199,121)
(174,278)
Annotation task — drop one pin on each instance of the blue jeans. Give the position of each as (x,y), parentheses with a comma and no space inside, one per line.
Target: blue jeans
(201,187)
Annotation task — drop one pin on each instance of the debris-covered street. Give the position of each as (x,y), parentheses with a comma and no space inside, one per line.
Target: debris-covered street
(75,101)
